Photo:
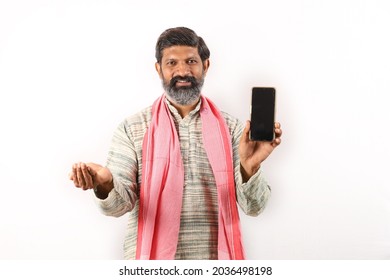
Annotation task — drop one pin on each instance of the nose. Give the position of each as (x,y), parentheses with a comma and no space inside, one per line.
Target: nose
(182,69)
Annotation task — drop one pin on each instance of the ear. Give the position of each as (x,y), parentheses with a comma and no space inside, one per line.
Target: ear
(206,65)
(158,69)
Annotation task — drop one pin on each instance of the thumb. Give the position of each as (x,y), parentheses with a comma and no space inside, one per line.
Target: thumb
(245,133)
(100,174)
(92,171)
(93,174)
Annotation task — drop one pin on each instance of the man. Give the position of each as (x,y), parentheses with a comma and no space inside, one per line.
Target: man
(179,167)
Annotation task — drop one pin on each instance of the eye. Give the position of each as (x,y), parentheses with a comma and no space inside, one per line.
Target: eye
(171,63)
(192,61)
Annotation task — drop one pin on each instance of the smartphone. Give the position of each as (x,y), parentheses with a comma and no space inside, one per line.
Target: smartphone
(262,114)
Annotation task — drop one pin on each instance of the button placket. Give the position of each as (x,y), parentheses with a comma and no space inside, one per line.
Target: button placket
(184,146)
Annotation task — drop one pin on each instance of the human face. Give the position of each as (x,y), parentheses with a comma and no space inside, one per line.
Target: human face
(182,74)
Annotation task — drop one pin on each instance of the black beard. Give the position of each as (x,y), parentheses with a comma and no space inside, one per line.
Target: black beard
(184,95)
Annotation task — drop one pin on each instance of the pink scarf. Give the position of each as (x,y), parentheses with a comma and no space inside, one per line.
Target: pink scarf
(163,180)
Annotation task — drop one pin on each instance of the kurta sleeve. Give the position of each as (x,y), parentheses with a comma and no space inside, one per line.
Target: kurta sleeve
(253,195)
(122,162)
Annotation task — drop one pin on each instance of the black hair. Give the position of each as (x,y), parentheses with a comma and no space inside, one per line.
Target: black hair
(181,36)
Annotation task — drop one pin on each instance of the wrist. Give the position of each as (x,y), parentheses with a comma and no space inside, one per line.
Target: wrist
(248,172)
(102,190)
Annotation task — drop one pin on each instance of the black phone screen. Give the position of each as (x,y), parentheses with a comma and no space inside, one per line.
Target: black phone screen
(262,114)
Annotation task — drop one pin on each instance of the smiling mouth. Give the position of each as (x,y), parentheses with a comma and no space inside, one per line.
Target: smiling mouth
(182,83)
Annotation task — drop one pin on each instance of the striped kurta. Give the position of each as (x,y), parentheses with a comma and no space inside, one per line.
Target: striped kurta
(198,235)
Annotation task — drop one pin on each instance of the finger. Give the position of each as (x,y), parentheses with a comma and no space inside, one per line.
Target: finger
(80,176)
(87,177)
(276,142)
(277,125)
(74,173)
(93,174)
(278,132)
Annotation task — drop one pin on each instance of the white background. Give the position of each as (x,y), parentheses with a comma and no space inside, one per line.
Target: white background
(70,71)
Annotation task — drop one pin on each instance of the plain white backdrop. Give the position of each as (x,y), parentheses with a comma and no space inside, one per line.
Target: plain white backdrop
(70,71)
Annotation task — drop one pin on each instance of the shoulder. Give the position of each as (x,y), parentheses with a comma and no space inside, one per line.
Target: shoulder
(136,125)
(235,125)
(142,117)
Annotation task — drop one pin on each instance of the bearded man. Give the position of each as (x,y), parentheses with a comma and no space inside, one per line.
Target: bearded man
(180,167)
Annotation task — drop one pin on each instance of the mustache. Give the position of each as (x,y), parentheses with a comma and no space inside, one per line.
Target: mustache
(175,79)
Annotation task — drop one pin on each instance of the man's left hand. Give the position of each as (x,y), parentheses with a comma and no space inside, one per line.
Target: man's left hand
(253,153)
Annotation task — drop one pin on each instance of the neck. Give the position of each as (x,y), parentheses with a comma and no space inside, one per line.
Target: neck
(184,110)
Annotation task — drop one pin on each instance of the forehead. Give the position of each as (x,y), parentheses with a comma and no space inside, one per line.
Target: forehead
(180,52)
